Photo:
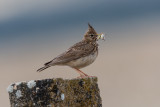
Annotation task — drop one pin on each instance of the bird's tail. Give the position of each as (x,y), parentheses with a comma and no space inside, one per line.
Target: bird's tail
(43,68)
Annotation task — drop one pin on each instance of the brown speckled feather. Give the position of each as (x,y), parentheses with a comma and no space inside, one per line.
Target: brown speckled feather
(80,49)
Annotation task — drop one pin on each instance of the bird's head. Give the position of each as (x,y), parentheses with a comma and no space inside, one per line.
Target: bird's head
(91,35)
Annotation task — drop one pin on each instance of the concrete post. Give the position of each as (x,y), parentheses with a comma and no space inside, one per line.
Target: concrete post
(83,92)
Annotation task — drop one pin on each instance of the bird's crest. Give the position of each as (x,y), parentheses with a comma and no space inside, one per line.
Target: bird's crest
(90,29)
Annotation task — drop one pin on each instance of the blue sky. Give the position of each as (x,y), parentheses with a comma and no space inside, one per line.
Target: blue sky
(24,18)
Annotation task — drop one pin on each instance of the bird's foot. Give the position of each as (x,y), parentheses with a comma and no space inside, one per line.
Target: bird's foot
(86,76)
(81,76)
(90,76)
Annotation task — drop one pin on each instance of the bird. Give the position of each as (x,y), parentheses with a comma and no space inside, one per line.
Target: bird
(79,55)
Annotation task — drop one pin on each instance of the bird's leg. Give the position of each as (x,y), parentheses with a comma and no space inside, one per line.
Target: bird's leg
(80,72)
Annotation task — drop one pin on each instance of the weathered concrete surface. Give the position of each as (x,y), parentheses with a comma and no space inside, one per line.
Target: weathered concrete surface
(55,93)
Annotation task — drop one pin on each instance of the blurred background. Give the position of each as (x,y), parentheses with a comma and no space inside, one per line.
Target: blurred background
(33,32)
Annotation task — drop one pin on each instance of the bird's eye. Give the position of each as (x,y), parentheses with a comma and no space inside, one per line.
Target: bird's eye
(91,35)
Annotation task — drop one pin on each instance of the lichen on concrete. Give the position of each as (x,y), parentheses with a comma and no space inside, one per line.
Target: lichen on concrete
(10,88)
(56,93)
(18,94)
(31,84)
(62,96)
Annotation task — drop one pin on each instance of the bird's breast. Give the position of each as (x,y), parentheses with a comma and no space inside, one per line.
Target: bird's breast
(83,61)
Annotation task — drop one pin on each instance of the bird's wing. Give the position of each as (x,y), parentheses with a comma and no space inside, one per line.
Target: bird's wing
(78,50)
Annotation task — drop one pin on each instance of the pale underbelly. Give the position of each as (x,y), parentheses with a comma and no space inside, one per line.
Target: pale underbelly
(83,62)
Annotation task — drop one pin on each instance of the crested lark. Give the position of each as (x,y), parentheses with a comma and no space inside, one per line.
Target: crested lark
(79,55)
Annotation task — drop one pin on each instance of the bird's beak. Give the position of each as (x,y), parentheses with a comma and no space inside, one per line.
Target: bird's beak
(101,36)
